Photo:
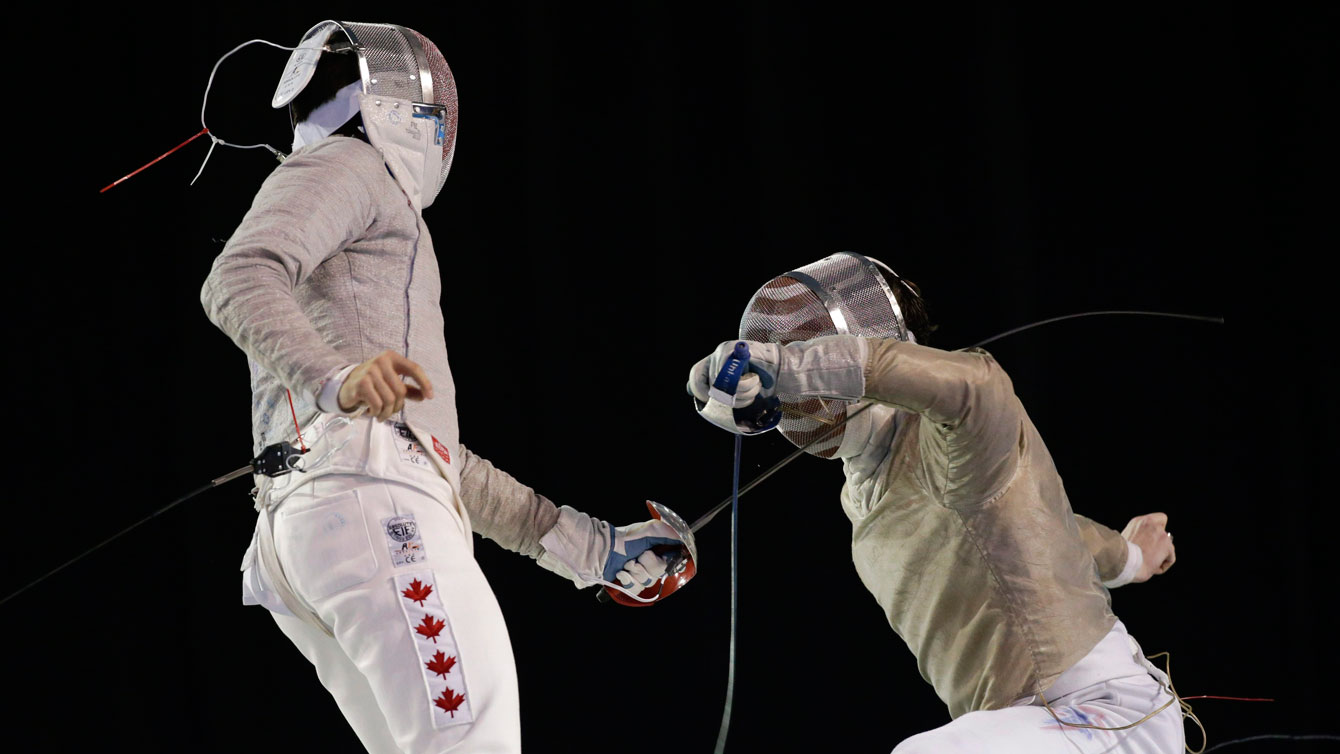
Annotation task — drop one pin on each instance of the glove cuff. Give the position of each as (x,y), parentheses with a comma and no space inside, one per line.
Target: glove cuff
(829,367)
(576,547)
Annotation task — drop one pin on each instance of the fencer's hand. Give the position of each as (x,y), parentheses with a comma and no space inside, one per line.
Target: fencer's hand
(642,571)
(378,384)
(632,562)
(832,366)
(1149,533)
(762,362)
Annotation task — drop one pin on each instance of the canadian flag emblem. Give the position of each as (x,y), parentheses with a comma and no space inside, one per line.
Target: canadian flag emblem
(442,450)
(441,667)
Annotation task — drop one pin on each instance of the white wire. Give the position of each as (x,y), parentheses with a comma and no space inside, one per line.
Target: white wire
(205,102)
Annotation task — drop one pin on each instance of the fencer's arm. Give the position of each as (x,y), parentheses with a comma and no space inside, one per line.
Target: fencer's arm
(968,405)
(951,388)
(503,509)
(306,212)
(974,420)
(578,547)
(1118,560)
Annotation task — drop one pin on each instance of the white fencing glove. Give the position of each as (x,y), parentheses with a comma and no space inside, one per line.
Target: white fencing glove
(829,367)
(590,551)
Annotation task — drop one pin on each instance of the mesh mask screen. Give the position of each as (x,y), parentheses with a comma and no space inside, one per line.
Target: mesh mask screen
(837,295)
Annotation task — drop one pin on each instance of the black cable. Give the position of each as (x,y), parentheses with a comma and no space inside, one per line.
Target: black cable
(734,598)
(214,483)
(1195,317)
(1273,737)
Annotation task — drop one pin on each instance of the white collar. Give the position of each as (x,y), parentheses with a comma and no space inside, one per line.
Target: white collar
(328,118)
(868,438)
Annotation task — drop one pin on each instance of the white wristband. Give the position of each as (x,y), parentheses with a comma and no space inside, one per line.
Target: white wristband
(1134,559)
(328,397)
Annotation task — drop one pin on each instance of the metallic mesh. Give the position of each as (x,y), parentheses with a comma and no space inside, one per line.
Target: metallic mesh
(444,93)
(395,60)
(799,306)
(393,69)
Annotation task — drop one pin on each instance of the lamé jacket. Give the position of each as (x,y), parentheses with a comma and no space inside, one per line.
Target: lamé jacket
(962,531)
(330,267)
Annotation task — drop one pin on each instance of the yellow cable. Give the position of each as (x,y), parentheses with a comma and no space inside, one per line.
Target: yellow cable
(1186,708)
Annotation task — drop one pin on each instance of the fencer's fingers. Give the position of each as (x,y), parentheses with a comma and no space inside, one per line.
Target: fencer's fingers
(747,389)
(654,564)
(639,574)
(624,579)
(367,394)
(399,389)
(384,393)
(415,372)
(699,384)
(1158,519)
(390,376)
(389,401)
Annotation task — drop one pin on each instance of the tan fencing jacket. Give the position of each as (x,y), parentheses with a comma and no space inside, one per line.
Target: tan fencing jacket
(963,533)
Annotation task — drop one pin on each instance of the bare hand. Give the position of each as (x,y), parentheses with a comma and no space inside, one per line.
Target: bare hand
(1148,533)
(377,383)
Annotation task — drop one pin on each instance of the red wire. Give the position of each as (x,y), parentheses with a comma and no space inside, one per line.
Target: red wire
(203,131)
(293,411)
(1230,698)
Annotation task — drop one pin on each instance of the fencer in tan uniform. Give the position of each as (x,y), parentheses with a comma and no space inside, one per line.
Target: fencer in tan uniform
(961,527)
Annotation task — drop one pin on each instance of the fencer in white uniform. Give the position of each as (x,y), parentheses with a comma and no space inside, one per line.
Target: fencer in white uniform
(961,527)
(331,286)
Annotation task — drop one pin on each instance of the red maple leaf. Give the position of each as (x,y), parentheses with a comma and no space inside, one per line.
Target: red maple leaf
(418,591)
(430,627)
(450,701)
(441,664)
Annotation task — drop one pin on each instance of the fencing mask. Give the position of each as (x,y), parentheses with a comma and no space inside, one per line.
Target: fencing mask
(407,98)
(842,294)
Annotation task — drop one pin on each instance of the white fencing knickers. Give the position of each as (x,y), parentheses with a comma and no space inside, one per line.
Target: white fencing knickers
(420,661)
(1113,685)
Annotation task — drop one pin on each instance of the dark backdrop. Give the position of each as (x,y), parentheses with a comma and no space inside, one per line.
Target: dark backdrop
(626,176)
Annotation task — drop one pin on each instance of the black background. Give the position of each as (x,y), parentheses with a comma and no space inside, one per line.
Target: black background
(626,175)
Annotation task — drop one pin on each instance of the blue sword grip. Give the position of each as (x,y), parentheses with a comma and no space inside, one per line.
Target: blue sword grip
(731,371)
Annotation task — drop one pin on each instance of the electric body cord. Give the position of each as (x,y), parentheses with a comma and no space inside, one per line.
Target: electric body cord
(288,457)
(1186,708)
(1188,713)
(734,597)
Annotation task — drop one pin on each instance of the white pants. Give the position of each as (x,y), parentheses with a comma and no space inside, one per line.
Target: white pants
(1111,686)
(420,660)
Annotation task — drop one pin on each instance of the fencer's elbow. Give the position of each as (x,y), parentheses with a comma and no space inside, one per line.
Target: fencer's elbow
(209,297)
